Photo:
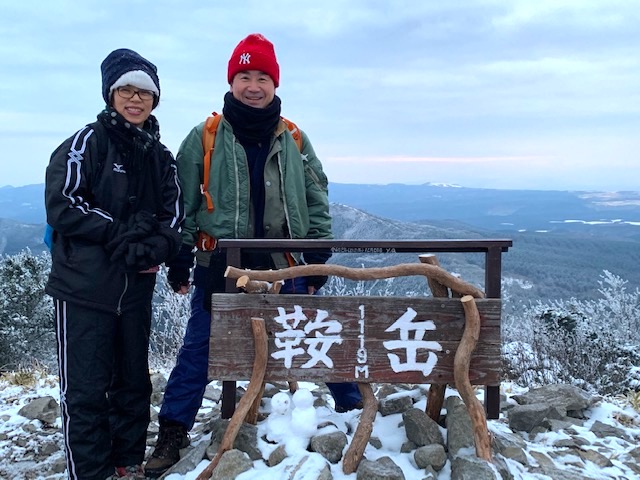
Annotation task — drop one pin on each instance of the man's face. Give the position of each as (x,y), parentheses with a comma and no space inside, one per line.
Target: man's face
(253,88)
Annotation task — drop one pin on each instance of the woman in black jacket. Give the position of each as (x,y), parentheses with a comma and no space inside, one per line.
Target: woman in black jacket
(113,199)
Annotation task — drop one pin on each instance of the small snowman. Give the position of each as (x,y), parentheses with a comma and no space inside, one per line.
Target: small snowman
(304,421)
(279,420)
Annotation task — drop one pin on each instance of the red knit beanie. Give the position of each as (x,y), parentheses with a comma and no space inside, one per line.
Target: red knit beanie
(254,53)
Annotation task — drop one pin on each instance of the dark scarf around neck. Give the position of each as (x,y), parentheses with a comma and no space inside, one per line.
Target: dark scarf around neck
(250,123)
(134,143)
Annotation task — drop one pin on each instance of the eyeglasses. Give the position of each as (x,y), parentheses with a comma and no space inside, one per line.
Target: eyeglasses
(128,93)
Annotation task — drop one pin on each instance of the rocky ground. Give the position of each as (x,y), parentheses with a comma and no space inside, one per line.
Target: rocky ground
(557,432)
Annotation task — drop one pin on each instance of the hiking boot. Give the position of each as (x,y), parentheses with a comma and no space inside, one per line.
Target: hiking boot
(171,439)
(132,472)
(343,409)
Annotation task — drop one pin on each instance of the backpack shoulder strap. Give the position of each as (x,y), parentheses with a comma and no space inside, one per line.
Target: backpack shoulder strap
(294,131)
(208,143)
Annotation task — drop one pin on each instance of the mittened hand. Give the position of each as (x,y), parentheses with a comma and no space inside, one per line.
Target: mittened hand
(178,278)
(317,281)
(146,253)
(143,223)
(317,257)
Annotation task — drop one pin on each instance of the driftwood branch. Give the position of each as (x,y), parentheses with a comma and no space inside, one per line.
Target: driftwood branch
(437,289)
(435,396)
(255,286)
(461,363)
(254,389)
(252,286)
(353,456)
(252,414)
(401,270)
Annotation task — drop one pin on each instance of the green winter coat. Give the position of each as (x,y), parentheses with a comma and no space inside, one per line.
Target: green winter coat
(296,194)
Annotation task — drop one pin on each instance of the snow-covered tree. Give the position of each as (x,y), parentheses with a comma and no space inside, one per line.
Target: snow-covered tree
(26,312)
(594,344)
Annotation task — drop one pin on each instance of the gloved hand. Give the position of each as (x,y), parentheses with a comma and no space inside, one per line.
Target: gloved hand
(318,257)
(317,281)
(140,225)
(178,278)
(146,253)
(179,267)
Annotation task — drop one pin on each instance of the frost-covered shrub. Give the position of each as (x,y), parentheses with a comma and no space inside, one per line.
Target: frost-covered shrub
(593,344)
(26,312)
(170,315)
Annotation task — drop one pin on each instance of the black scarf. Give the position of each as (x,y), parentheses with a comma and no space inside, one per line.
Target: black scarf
(249,123)
(135,144)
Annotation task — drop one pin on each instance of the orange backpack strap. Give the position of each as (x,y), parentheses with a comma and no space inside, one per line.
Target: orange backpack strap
(208,142)
(294,131)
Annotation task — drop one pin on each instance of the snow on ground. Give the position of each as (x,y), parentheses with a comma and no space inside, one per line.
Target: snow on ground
(16,461)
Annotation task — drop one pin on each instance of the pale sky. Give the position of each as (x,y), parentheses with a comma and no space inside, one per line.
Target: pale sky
(523,94)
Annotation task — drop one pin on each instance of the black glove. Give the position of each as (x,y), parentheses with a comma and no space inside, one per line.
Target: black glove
(140,225)
(318,257)
(317,281)
(178,278)
(174,239)
(179,267)
(144,254)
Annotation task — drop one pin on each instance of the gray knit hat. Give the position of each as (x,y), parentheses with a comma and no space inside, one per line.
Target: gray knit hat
(126,67)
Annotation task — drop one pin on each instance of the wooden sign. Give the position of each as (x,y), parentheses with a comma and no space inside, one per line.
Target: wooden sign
(351,339)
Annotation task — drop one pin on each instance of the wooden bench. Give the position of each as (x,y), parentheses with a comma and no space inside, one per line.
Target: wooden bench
(419,340)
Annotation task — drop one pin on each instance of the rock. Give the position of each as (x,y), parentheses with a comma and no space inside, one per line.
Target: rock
(602,430)
(277,456)
(329,445)
(459,427)
(526,417)
(232,463)
(421,429)
(569,399)
(595,457)
(430,456)
(395,404)
(381,469)
(45,409)
(463,468)
(190,457)
(375,443)
(246,440)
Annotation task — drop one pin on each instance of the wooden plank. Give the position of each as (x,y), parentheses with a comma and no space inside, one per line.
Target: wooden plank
(362,339)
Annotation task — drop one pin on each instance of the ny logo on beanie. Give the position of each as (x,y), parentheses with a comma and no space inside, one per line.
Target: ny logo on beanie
(245,58)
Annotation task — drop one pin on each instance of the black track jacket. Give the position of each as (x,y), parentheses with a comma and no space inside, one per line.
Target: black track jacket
(86,196)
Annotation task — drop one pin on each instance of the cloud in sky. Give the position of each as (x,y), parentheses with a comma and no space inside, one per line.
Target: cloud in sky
(487,93)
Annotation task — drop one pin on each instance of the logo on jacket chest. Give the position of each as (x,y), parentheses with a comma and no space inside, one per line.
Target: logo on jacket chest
(117,167)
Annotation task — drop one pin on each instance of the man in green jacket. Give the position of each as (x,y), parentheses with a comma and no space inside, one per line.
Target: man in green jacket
(260,185)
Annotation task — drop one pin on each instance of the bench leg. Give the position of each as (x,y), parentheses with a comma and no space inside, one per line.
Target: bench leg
(228,399)
(492,401)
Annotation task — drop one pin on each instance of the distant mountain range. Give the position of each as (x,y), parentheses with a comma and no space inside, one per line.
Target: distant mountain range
(598,213)
(562,241)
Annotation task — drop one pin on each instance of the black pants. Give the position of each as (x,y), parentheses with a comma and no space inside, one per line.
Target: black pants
(104,387)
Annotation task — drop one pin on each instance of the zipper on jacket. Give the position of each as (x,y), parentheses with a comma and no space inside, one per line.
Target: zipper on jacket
(284,196)
(237,178)
(126,286)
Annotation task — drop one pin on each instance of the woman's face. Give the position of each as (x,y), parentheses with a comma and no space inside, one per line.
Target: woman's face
(135,109)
